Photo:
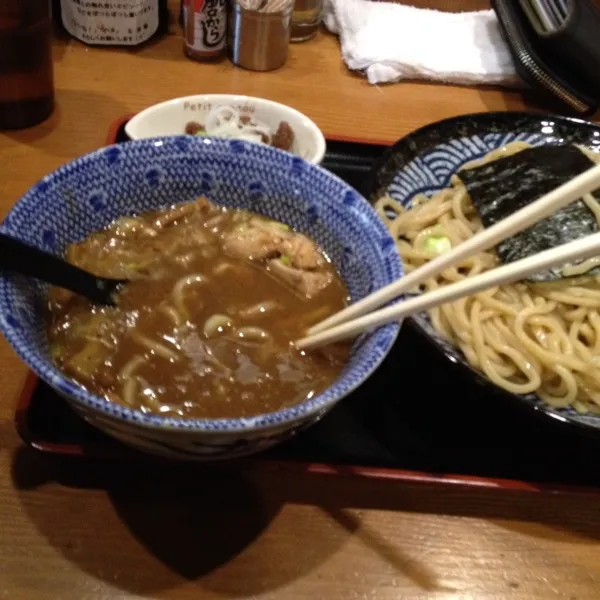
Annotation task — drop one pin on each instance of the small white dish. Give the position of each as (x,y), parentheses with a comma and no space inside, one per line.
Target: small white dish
(172,116)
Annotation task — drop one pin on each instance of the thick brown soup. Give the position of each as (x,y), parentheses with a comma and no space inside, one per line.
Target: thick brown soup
(203,329)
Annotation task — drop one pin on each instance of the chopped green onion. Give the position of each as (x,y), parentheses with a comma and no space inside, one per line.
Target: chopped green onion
(286,260)
(437,244)
(281,225)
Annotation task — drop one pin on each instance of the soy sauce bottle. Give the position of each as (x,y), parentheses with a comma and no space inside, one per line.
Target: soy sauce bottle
(26,72)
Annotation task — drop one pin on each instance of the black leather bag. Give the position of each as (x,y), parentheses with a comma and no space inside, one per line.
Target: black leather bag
(564,62)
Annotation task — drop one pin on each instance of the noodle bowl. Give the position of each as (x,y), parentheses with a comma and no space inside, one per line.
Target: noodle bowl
(526,338)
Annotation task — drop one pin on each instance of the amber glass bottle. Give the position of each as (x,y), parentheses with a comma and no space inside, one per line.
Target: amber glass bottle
(26,76)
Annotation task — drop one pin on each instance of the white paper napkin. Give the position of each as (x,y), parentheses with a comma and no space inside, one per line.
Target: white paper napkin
(391,42)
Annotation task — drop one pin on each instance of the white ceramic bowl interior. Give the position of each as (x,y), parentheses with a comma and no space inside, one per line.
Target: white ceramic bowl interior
(171,117)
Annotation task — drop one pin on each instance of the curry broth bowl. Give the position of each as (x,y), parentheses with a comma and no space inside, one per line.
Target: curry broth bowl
(87,194)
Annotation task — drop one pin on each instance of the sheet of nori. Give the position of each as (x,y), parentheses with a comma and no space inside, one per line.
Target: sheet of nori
(503,186)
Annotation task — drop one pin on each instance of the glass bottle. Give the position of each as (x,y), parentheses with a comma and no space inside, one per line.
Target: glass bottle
(306,19)
(26,72)
(119,23)
(204,29)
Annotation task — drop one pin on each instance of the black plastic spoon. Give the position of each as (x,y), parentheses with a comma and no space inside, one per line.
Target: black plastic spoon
(22,258)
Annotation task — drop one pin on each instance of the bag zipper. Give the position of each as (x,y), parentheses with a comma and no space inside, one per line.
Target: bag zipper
(541,76)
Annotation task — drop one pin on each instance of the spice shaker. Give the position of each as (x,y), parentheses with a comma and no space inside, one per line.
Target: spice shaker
(204,29)
(26,72)
(306,19)
(259,33)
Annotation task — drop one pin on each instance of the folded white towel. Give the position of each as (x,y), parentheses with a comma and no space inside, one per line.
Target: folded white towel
(391,42)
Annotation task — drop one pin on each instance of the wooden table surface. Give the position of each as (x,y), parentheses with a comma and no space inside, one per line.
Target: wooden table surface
(71,530)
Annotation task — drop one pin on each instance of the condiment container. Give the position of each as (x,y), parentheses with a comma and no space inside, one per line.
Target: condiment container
(26,73)
(111,23)
(259,33)
(204,29)
(306,19)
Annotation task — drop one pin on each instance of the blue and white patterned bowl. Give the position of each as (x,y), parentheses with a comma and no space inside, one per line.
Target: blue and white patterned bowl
(423,162)
(88,193)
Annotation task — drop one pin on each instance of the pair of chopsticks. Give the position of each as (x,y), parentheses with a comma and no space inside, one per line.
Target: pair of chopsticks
(353,320)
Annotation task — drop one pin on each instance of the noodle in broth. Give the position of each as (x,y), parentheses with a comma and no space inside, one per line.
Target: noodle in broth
(204,327)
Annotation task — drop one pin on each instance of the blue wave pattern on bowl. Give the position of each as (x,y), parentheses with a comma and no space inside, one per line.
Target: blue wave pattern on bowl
(432,172)
(424,161)
(90,192)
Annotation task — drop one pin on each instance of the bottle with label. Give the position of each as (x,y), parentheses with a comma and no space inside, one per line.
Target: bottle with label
(112,22)
(26,74)
(205,29)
